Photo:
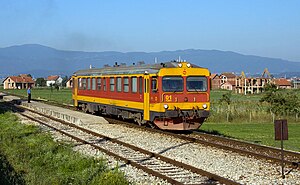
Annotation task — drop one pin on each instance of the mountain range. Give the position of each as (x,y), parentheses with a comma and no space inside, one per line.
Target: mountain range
(41,61)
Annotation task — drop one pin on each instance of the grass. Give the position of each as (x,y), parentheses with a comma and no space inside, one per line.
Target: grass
(217,95)
(256,132)
(63,95)
(29,156)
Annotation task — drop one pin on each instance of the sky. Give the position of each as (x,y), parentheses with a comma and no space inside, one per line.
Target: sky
(269,28)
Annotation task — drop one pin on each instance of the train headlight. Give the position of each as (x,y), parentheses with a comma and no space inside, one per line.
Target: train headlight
(204,106)
(188,65)
(180,65)
(166,106)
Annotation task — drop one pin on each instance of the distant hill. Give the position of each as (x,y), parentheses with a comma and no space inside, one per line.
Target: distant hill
(41,61)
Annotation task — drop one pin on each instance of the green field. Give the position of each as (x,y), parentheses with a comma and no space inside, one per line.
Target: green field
(246,118)
(256,133)
(61,96)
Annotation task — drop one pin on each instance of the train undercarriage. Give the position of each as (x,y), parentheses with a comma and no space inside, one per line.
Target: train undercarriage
(171,120)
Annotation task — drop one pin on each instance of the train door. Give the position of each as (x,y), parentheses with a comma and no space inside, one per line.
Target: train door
(146,97)
(75,90)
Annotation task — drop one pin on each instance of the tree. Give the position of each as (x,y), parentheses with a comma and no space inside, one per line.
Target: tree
(281,102)
(64,81)
(41,82)
(56,87)
(226,98)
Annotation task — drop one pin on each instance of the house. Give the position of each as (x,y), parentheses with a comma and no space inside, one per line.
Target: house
(18,82)
(295,83)
(282,83)
(227,81)
(215,81)
(69,83)
(55,79)
(227,86)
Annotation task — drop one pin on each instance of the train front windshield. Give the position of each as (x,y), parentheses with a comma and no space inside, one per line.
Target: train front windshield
(193,84)
(172,84)
(196,83)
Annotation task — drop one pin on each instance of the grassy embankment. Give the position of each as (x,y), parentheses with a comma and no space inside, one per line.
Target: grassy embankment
(28,156)
(248,118)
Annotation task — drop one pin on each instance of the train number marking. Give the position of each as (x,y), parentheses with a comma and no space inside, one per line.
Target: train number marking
(168,98)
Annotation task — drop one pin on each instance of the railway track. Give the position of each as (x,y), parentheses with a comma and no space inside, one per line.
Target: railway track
(246,148)
(269,154)
(174,172)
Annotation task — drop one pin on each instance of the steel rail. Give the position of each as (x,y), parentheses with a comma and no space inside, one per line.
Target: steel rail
(128,161)
(249,144)
(217,145)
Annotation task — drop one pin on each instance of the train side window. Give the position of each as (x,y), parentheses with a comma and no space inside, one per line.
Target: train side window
(119,84)
(154,84)
(84,83)
(88,84)
(146,85)
(126,84)
(112,84)
(98,84)
(93,83)
(140,85)
(134,84)
(104,84)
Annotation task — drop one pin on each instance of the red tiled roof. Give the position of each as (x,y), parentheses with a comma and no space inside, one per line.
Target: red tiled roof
(282,82)
(54,78)
(229,75)
(212,76)
(19,79)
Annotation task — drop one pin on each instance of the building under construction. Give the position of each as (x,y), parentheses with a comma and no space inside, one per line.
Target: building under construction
(252,85)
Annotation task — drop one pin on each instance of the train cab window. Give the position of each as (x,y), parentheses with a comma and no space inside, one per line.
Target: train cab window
(104,84)
(119,84)
(196,83)
(84,83)
(134,84)
(172,84)
(112,84)
(88,84)
(98,84)
(93,83)
(140,85)
(126,84)
(154,84)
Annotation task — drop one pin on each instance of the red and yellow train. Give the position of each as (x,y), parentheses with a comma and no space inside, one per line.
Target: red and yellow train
(171,95)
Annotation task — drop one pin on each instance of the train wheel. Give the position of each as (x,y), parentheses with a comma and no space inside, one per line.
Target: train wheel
(138,119)
(84,108)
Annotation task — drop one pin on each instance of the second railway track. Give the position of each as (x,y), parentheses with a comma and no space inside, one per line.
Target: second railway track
(260,151)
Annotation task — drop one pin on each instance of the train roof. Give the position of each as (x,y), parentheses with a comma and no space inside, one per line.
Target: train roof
(133,69)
